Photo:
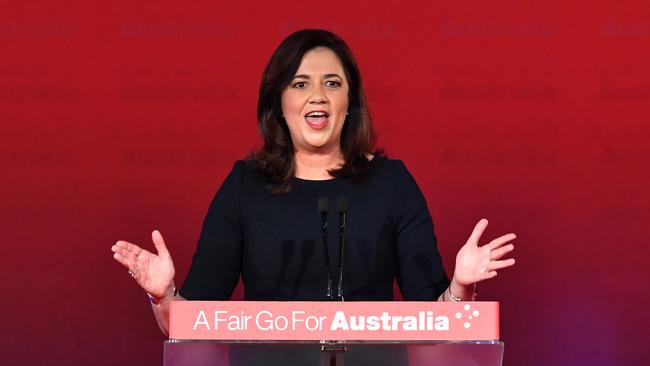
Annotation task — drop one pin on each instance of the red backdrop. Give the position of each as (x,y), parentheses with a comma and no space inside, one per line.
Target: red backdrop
(118,119)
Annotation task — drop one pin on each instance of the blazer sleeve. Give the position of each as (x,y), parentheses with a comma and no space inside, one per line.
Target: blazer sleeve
(216,264)
(420,273)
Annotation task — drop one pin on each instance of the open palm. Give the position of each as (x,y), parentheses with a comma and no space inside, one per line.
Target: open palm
(153,272)
(475,264)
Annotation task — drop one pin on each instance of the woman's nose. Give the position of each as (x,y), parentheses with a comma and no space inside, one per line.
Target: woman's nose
(318,95)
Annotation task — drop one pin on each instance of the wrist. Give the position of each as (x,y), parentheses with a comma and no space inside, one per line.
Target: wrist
(167,295)
(459,292)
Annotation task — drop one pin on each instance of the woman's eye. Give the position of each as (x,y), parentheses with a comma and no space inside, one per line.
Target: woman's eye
(332,83)
(299,85)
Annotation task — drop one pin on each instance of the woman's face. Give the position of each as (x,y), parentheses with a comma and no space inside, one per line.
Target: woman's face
(316,102)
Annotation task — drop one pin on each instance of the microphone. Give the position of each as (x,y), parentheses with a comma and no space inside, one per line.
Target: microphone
(323,207)
(342,208)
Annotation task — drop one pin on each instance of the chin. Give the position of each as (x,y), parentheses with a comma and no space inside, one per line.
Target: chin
(317,141)
(317,146)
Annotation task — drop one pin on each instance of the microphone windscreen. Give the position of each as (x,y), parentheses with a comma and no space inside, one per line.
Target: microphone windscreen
(342,204)
(323,204)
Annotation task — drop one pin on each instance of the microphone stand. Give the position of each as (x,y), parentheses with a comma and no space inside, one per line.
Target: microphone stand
(342,207)
(333,350)
(323,206)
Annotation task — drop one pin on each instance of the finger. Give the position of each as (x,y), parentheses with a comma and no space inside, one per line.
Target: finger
(487,275)
(131,257)
(494,265)
(127,259)
(136,274)
(128,247)
(133,252)
(159,243)
(478,231)
(500,252)
(130,265)
(122,250)
(501,240)
(122,260)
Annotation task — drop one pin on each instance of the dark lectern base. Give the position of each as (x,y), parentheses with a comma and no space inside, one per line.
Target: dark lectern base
(224,353)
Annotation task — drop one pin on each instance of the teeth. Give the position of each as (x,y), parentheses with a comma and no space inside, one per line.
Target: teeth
(316,114)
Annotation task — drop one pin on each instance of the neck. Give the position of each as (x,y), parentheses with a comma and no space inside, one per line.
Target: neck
(315,165)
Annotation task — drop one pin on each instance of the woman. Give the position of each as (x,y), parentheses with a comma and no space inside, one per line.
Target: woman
(264,225)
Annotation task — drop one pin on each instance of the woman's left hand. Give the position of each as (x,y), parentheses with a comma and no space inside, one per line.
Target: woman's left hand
(475,264)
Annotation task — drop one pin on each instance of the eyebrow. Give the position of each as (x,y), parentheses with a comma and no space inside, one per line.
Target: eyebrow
(326,76)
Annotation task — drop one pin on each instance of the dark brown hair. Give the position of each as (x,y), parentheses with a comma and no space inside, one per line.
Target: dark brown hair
(275,160)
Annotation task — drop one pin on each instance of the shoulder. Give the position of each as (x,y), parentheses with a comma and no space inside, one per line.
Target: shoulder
(248,173)
(237,171)
(385,165)
(242,171)
(243,168)
(237,175)
(393,174)
(390,174)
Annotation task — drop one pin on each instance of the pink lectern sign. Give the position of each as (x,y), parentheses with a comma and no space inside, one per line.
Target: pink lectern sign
(306,320)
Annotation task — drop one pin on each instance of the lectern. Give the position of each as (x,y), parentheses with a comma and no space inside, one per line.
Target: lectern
(245,333)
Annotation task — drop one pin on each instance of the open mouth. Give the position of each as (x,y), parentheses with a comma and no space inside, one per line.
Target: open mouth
(317,119)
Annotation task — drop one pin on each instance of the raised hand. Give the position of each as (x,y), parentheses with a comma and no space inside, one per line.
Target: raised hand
(154,273)
(475,264)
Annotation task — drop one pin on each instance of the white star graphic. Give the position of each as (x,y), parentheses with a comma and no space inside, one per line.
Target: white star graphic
(459,315)
(467,325)
(475,313)
(467,307)
(471,317)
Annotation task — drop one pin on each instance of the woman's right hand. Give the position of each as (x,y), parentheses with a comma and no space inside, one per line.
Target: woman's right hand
(154,273)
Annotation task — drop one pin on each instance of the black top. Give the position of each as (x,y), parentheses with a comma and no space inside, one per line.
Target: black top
(274,241)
